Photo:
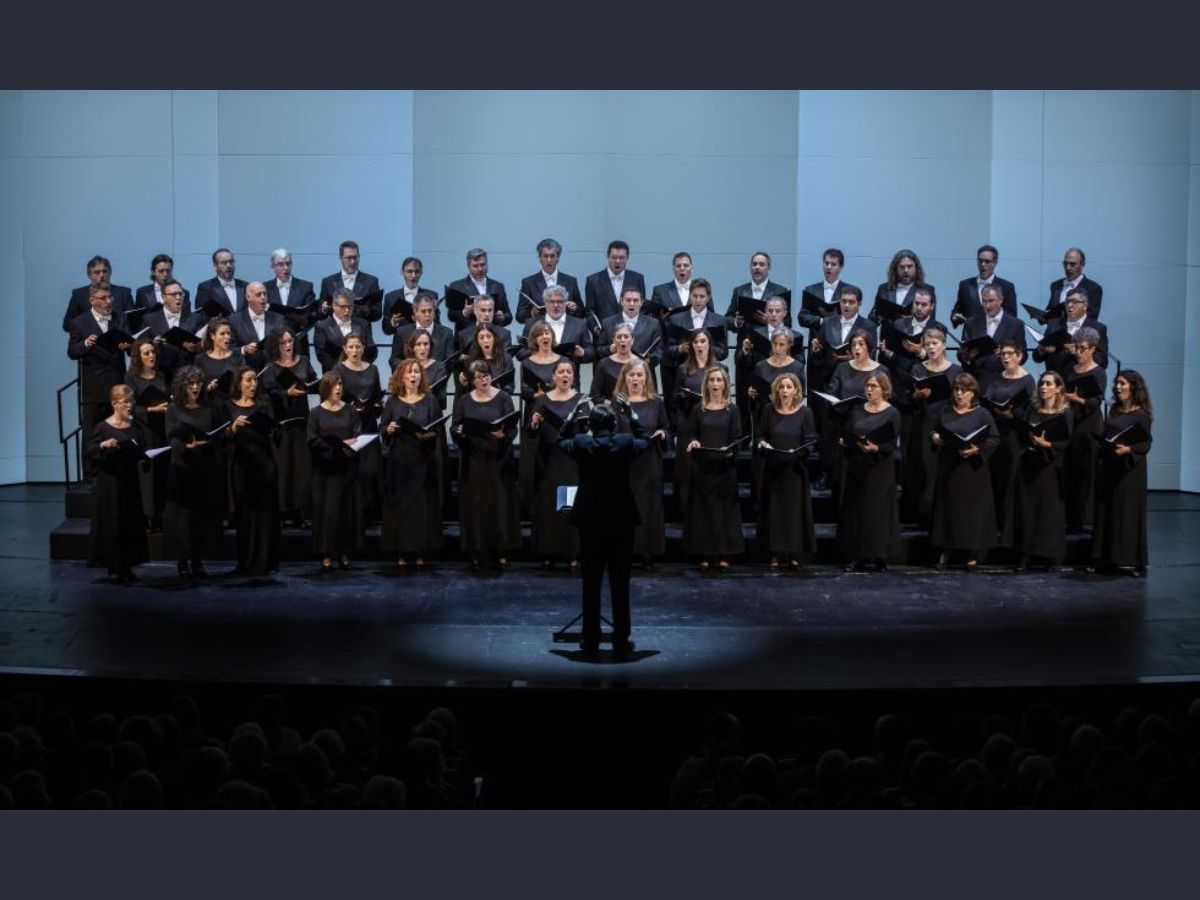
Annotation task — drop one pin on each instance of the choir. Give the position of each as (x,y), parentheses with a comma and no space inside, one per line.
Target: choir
(213,419)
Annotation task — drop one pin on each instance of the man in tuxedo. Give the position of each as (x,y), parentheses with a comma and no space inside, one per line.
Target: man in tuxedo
(904,273)
(397,304)
(225,289)
(647,332)
(171,315)
(100,368)
(900,345)
(1000,327)
(477,284)
(606,515)
(330,333)
(1073,264)
(99,271)
(603,290)
(251,325)
(567,329)
(968,305)
(823,294)
(149,296)
(441,338)
(759,287)
(1055,347)
(549,252)
(674,294)
(286,290)
(359,284)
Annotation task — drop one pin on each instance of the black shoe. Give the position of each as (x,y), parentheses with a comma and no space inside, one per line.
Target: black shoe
(1138,572)
(184,572)
(344,564)
(198,570)
(623,647)
(129,577)
(589,647)
(880,566)
(326,568)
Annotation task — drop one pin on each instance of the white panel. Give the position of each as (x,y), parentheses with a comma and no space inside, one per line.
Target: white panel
(69,213)
(937,207)
(1118,126)
(311,204)
(1016,209)
(194,122)
(97,123)
(341,123)
(896,124)
(699,123)
(1017,125)
(196,199)
(1132,214)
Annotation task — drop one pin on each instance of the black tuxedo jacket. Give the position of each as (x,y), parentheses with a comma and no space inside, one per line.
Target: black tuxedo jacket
(79,303)
(666,296)
(99,369)
(746,290)
(817,291)
(300,293)
(390,299)
(986,368)
(533,285)
(146,298)
(645,333)
(598,292)
(212,290)
(604,504)
(1060,360)
(495,290)
(443,342)
(363,284)
(831,336)
(244,333)
(170,357)
(462,340)
(967,304)
(327,339)
(883,292)
(575,330)
(1094,291)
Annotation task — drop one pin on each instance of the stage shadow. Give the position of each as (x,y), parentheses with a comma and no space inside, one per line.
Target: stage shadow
(604,657)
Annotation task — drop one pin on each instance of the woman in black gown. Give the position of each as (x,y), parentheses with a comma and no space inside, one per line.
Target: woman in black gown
(846,381)
(117,536)
(964,517)
(780,361)
(644,414)
(486,345)
(785,520)
(412,465)
(337,526)
(419,346)
(553,537)
(1007,398)
(689,383)
(712,526)
(286,381)
(487,493)
(361,388)
(1086,383)
(196,485)
(868,518)
(604,381)
(1119,540)
(150,400)
(537,369)
(218,357)
(255,476)
(919,458)
(1036,524)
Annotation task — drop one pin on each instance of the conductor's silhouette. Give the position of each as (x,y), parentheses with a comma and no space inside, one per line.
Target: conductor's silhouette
(606,515)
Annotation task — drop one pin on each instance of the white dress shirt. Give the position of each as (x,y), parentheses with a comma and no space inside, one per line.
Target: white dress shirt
(557,326)
(480,286)
(102,320)
(1067,287)
(830,291)
(260,325)
(698,318)
(348,280)
(993,324)
(346,327)
(847,327)
(617,282)
(230,289)
(684,291)
(284,288)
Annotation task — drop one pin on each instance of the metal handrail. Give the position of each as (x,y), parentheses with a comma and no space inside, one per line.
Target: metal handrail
(63,439)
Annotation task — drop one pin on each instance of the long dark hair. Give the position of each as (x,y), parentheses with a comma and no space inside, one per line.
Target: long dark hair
(271,344)
(179,385)
(1139,395)
(691,364)
(893,276)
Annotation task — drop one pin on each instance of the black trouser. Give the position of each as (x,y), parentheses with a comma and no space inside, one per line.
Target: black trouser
(602,549)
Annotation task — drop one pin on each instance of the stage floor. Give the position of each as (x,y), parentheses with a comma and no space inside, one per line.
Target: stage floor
(823,629)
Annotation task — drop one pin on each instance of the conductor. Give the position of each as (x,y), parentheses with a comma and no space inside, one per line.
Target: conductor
(606,515)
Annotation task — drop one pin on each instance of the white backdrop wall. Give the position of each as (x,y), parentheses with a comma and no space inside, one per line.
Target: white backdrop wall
(720,174)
